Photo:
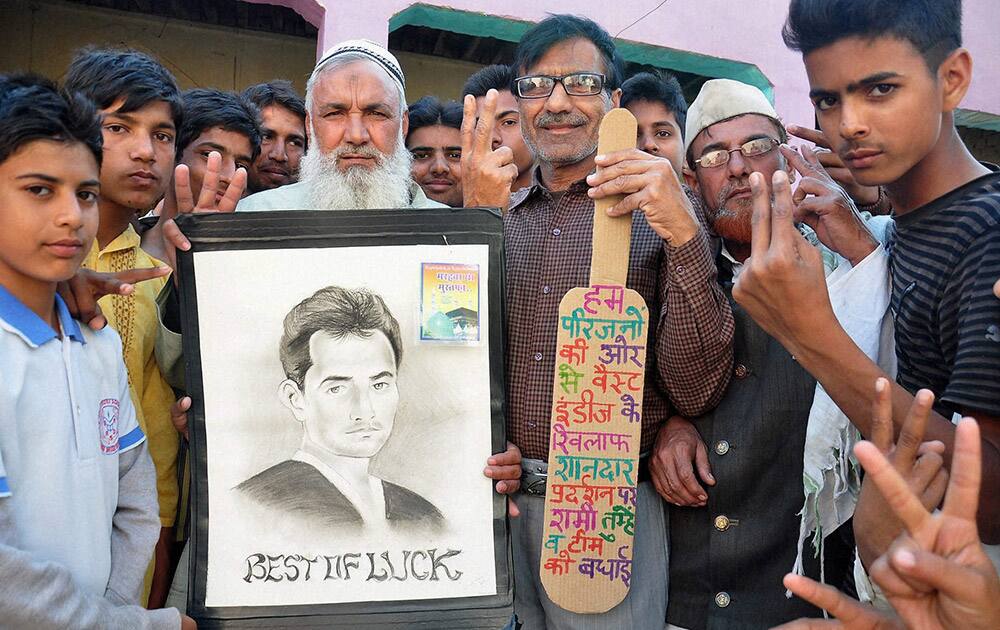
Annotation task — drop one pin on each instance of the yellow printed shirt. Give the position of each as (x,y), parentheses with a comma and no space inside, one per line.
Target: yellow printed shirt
(134,317)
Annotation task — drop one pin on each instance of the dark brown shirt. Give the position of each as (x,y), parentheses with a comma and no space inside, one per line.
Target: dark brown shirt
(548,247)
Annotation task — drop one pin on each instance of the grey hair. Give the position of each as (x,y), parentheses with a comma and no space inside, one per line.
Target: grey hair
(342,60)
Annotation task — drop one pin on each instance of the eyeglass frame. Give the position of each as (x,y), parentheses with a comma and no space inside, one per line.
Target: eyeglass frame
(559,80)
(775,143)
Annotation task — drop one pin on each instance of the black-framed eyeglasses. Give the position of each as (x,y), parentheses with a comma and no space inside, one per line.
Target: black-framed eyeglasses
(754,148)
(575,84)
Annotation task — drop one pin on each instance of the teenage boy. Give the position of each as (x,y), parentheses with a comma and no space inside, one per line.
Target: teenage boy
(283,135)
(658,105)
(885,80)
(224,123)
(77,507)
(434,139)
(219,121)
(507,130)
(141,109)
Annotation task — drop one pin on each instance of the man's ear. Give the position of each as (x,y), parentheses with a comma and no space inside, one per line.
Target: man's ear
(616,98)
(955,75)
(690,178)
(291,397)
(309,126)
(406,122)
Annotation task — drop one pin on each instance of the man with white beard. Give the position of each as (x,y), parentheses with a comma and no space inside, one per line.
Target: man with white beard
(357,118)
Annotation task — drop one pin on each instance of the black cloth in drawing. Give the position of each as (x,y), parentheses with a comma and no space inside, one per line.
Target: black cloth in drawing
(298,489)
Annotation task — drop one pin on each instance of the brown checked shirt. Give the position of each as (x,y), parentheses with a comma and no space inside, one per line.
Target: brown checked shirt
(548,244)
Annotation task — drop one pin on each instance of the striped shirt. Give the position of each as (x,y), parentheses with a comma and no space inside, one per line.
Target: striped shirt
(548,245)
(944,258)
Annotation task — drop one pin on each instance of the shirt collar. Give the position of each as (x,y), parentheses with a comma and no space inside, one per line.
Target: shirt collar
(737,266)
(537,187)
(417,197)
(126,240)
(340,482)
(33,328)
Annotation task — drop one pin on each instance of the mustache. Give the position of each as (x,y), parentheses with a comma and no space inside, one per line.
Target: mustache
(365,150)
(274,165)
(563,118)
(728,189)
(372,427)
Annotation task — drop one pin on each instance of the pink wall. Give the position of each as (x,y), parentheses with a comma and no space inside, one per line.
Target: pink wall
(749,32)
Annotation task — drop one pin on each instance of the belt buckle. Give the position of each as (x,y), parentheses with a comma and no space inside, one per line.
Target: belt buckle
(534,481)
(534,485)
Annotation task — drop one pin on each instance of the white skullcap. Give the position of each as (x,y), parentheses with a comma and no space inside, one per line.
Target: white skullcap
(722,99)
(367,48)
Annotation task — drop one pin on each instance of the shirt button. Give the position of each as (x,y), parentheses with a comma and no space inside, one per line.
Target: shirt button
(531,425)
(679,269)
(722,599)
(721,447)
(741,370)
(722,522)
(546,289)
(556,231)
(538,356)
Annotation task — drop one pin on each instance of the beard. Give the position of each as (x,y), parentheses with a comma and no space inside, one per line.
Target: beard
(731,218)
(385,186)
(562,154)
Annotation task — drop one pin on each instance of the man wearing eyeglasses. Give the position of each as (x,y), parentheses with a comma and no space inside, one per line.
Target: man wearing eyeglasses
(568,76)
(735,506)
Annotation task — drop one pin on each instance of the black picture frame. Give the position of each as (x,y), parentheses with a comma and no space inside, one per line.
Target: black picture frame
(315,229)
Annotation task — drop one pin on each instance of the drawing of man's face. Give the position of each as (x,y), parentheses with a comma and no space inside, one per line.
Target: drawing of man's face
(347,403)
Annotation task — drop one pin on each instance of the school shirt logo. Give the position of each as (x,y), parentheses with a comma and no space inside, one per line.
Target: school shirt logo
(108,424)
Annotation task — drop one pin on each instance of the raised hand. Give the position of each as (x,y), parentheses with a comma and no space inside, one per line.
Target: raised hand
(678,451)
(936,574)
(850,613)
(650,185)
(181,201)
(487,173)
(920,463)
(822,204)
(862,195)
(82,291)
(782,285)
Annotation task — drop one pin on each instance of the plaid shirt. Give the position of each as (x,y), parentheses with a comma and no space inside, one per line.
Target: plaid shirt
(548,247)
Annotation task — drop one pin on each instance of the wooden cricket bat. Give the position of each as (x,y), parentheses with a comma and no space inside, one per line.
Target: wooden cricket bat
(590,500)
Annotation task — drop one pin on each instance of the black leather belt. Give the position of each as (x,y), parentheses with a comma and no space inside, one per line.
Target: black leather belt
(534,475)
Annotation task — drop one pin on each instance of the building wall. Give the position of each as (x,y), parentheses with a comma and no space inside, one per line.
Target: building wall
(425,74)
(983,144)
(41,37)
(747,32)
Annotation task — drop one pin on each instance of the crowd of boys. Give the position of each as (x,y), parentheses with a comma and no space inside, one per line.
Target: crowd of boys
(806,305)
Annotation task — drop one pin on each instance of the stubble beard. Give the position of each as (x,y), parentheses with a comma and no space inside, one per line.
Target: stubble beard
(552,155)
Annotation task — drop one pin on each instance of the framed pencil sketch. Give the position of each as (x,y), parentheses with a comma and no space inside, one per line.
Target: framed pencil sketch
(346,371)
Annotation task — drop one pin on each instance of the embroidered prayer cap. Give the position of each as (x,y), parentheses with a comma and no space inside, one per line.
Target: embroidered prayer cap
(367,48)
(722,99)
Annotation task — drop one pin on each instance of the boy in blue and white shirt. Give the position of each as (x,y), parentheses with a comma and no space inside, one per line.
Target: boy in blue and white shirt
(78,511)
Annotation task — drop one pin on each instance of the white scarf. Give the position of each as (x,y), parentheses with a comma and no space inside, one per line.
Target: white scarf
(830,475)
